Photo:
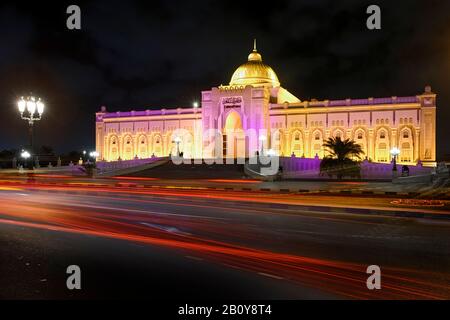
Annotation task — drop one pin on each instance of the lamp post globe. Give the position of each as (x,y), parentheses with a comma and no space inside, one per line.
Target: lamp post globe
(177,140)
(31,109)
(395,152)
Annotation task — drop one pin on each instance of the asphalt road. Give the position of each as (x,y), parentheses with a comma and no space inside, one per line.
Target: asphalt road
(185,245)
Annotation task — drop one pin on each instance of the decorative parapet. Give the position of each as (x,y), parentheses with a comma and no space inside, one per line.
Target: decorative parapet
(146,113)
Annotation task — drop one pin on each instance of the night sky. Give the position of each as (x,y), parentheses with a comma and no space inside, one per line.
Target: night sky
(160,54)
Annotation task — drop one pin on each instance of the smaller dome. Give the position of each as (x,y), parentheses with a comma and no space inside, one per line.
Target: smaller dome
(254,56)
(254,71)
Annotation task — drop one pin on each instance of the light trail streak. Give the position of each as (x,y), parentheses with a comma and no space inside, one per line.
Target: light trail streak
(254,197)
(234,181)
(341,278)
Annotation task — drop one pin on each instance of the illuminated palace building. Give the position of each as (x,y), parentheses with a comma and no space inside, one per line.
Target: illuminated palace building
(255,101)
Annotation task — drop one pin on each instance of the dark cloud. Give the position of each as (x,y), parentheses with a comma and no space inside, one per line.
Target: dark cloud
(153,54)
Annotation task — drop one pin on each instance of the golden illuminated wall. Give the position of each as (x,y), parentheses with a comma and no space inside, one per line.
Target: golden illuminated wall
(298,128)
(142,137)
(406,123)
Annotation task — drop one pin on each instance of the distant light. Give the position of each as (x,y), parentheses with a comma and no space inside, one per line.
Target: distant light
(93,154)
(84,151)
(195,104)
(271,152)
(25,154)
(177,140)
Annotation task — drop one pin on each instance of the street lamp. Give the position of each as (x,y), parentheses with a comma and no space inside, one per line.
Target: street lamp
(94,154)
(195,104)
(395,152)
(31,110)
(177,140)
(262,139)
(25,155)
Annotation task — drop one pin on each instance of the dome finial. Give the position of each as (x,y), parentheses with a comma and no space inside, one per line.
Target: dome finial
(254,55)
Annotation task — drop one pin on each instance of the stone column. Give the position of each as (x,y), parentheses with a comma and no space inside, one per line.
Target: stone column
(149,145)
(394,143)
(135,146)
(307,145)
(371,146)
(105,154)
(416,156)
(120,148)
(164,148)
(394,140)
(287,144)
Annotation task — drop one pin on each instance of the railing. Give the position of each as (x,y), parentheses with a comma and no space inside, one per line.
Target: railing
(294,167)
(103,166)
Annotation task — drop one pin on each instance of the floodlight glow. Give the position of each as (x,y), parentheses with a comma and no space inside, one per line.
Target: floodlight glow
(395,151)
(25,154)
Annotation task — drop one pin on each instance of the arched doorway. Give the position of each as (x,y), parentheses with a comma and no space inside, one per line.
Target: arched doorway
(233,137)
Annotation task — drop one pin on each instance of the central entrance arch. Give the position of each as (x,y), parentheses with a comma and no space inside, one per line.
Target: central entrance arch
(233,136)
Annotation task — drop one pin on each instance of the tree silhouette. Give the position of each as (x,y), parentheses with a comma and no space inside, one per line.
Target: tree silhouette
(339,160)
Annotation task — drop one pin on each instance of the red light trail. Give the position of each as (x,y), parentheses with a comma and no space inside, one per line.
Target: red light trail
(338,277)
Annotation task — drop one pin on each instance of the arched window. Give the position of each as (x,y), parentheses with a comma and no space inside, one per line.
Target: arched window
(297,144)
(316,145)
(406,145)
(142,148)
(382,153)
(113,150)
(405,153)
(359,138)
(157,146)
(128,149)
(383,135)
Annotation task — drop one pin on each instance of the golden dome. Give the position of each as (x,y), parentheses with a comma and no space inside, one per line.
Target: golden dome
(254,71)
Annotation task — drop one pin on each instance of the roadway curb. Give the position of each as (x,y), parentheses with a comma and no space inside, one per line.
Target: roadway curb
(344,192)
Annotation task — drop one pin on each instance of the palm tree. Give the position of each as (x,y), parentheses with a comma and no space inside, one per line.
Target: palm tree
(343,149)
(340,159)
